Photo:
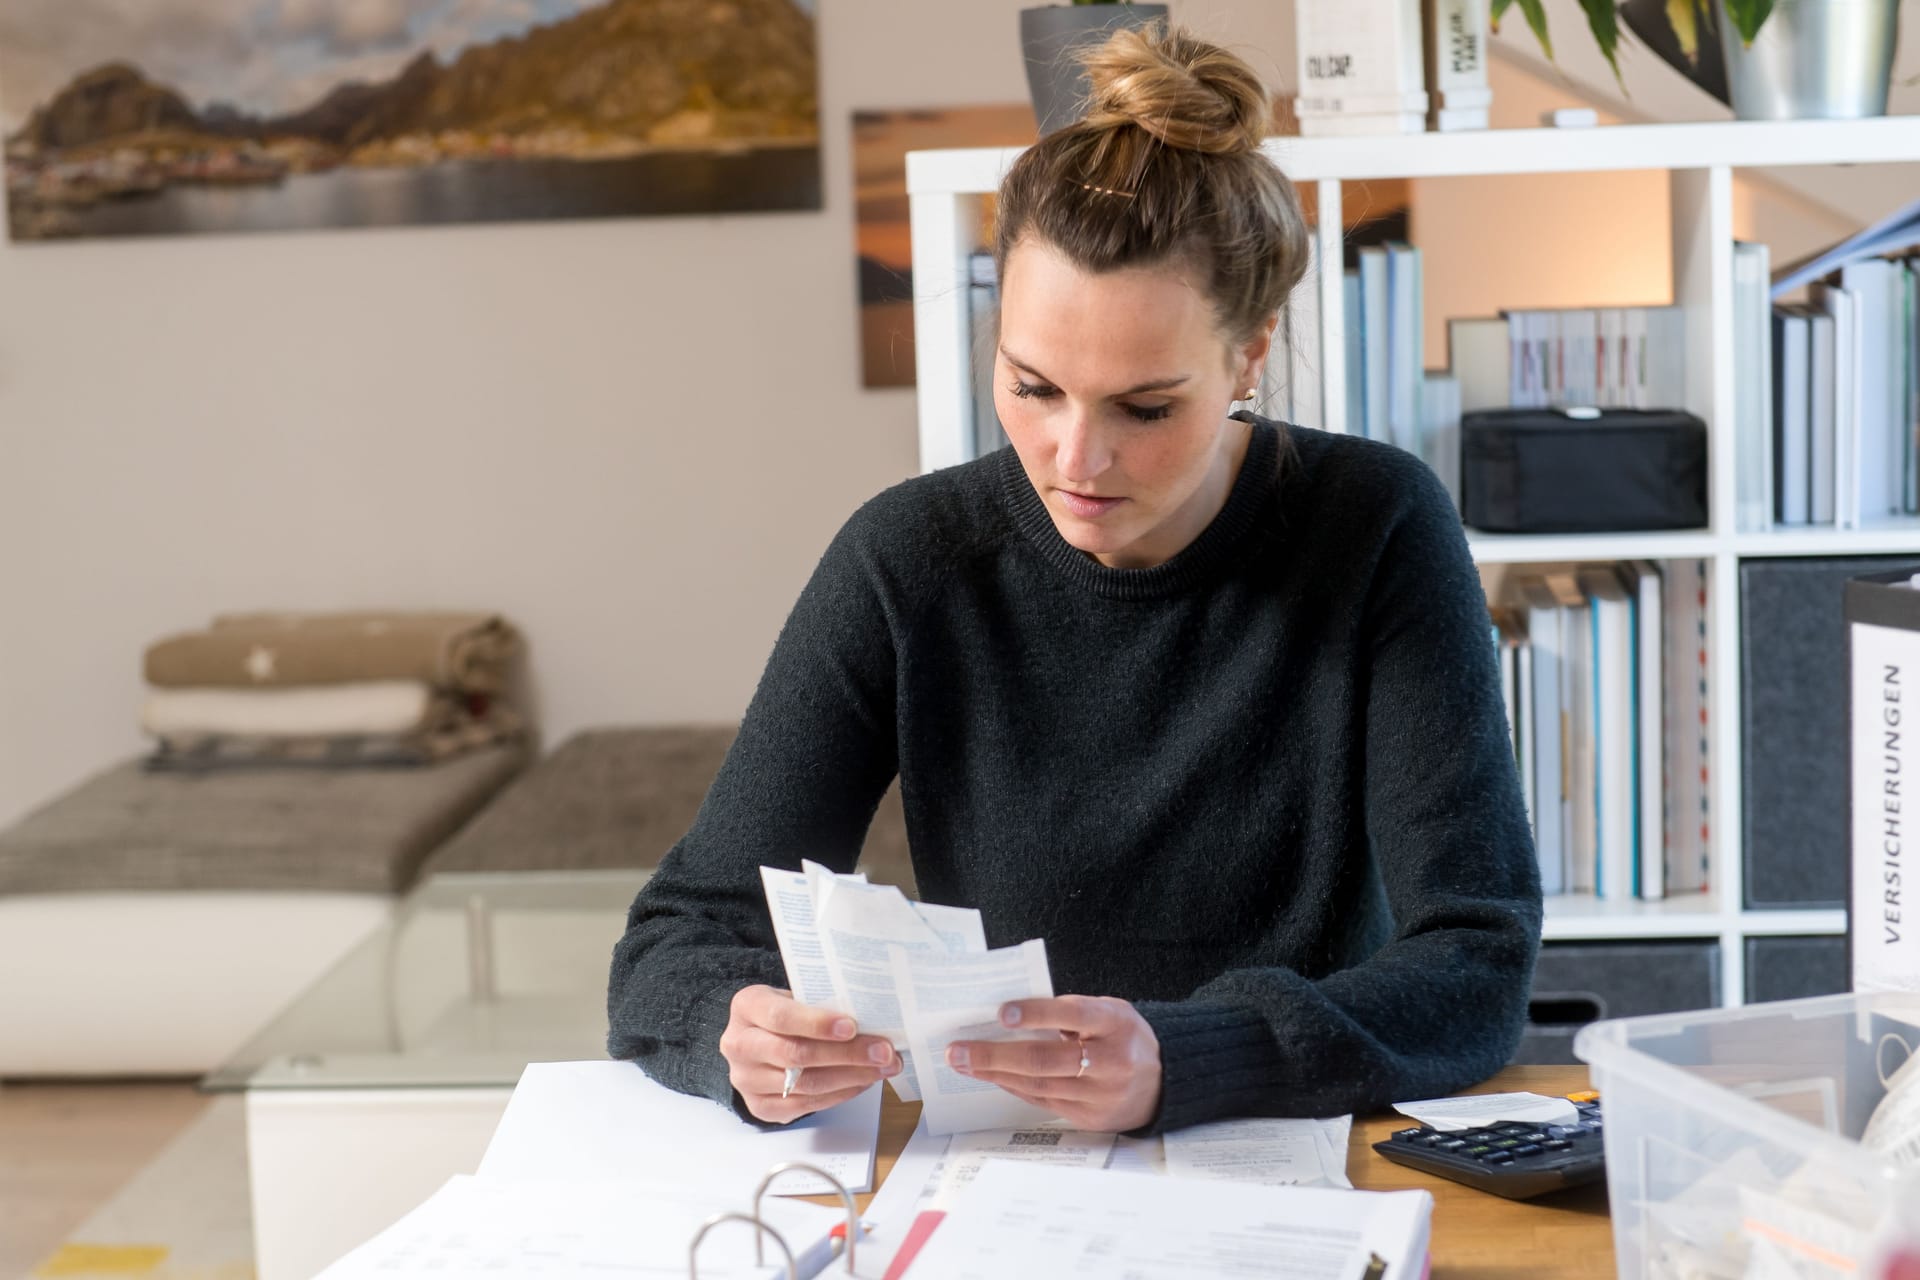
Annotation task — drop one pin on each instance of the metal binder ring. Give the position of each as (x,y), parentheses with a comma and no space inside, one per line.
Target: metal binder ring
(1879,1056)
(693,1250)
(846,1198)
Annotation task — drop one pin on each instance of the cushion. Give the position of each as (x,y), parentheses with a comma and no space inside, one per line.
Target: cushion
(346,830)
(619,799)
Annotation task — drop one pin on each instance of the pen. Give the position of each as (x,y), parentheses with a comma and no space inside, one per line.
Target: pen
(1376,1267)
(792,1079)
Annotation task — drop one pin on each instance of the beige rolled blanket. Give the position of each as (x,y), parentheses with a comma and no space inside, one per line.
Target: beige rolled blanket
(468,652)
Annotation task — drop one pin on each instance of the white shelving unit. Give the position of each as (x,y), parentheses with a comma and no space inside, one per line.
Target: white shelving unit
(945,187)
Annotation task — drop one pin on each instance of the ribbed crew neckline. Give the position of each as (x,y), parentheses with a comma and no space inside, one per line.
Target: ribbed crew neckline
(1252,489)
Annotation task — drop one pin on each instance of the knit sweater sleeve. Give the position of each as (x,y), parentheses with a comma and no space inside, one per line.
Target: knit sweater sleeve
(815,752)
(1441,1005)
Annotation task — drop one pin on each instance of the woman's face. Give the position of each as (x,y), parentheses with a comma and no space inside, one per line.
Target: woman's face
(1114,390)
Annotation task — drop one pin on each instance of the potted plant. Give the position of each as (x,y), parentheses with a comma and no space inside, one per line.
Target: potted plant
(1052,35)
(1784,59)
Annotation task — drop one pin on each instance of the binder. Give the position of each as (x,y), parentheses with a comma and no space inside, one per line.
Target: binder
(1883,678)
(586,1227)
(847,1234)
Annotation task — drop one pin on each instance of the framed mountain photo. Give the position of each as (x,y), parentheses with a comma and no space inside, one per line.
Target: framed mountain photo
(194,116)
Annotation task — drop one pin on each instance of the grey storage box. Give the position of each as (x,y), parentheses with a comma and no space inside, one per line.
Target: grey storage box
(1793,727)
(1792,968)
(1575,983)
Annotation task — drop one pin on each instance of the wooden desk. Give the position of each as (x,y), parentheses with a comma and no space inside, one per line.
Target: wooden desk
(1475,1236)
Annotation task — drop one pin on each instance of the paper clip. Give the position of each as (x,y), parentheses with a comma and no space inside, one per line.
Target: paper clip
(693,1250)
(846,1198)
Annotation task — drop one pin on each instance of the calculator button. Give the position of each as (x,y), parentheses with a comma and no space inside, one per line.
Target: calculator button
(1562,1130)
(1499,1157)
(1408,1135)
(1507,1144)
(1476,1152)
(1527,1149)
(1557,1144)
(1532,1135)
(1452,1144)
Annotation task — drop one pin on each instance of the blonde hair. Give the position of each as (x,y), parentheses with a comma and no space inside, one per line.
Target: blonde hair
(1166,167)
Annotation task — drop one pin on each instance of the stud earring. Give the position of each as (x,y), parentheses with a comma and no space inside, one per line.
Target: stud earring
(1251,393)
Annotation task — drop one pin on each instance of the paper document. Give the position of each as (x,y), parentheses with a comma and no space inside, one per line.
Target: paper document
(1025,1220)
(590,1230)
(958,997)
(1137,1155)
(842,939)
(1454,1115)
(1271,1153)
(933,1168)
(580,1120)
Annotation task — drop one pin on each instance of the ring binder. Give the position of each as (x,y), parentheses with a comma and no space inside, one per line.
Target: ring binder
(693,1250)
(763,1229)
(846,1198)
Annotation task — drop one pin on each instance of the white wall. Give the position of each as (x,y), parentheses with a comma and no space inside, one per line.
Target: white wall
(633,437)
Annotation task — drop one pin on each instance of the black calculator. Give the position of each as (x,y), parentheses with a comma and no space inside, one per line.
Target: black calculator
(1518,1161)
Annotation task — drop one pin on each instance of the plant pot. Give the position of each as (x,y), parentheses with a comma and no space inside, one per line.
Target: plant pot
(1813,60)
(1053,35)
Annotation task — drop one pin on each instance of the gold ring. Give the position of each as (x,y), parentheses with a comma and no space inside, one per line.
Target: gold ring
(1084,1064)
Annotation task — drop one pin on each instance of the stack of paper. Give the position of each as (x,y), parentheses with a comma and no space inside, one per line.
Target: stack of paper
(608,1120)
(934,1171)
(918,974)
(477,1227)
(1019,1219)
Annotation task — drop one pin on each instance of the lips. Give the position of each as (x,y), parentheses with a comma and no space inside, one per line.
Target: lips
(1087,506)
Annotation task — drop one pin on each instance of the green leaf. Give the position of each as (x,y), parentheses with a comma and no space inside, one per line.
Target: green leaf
(1499,8)
(1537,19)
(1680,16)
(1605,22)
(1747,16)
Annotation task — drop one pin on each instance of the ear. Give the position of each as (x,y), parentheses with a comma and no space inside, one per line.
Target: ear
(1252,355)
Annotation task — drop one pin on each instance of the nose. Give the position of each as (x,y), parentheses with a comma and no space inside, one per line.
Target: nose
(1081,451)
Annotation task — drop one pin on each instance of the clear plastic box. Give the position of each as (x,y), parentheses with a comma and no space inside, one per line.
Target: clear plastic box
(1732,1137)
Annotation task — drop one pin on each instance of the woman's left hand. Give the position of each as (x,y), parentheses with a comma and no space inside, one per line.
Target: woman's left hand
(1117,1089)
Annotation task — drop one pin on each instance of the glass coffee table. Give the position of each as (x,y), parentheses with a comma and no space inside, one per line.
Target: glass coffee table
(389,1074)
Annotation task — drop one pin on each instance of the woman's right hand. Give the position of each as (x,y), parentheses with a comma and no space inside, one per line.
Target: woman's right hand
(769,1031)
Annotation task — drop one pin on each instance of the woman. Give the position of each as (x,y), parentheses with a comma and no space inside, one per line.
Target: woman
(1205,701)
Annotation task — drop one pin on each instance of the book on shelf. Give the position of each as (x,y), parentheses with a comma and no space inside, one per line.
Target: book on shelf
(983,316)
(1406,352)
(1361,68)
(1298,363)
(1608,357)
(1793,430)
(1752,387)
(1896,233)
(1842,400)
(1456,47)
(1440,416)
(1606,689)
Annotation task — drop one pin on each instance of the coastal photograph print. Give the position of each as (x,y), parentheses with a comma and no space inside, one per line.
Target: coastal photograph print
(157,117)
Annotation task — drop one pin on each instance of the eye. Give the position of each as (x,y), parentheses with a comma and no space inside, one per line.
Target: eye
(1148,415)
(1027,390)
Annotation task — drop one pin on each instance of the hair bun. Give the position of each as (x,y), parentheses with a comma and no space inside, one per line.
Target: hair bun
(1185,92)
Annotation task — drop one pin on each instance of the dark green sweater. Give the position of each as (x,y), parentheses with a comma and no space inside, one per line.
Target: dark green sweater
(1263,790)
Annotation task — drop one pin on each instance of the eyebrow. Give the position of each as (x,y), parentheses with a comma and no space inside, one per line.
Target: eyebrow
(1158,384)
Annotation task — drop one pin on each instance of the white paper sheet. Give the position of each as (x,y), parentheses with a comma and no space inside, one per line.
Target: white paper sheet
(894,1207)
(1453,1115)
(1271,1153)
(590,1230)
(1027,1220)
(586,1120)
(859,926)
(790,903)
(1137,1155)
(947,998)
